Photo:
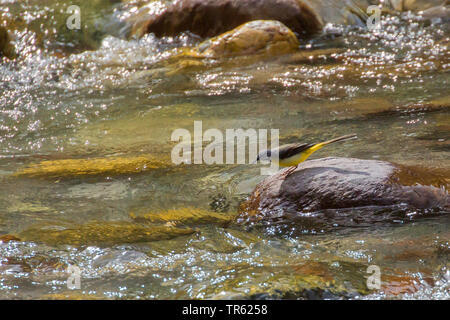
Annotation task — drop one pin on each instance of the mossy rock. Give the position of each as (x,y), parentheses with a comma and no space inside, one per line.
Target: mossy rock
(185,216)
(67,168)
(71,295)
(101,233)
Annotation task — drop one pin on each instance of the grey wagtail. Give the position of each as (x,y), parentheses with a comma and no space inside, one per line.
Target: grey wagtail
(293,154)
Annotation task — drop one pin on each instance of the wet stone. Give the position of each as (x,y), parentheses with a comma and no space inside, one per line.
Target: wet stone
(101,233)
(188,216)
(325,192)
(68,168)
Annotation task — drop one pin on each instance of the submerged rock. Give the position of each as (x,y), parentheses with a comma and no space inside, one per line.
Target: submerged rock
(191,216)
(319,190)
(7,238)
(414,5)
(67,168)
(208,18)
(101,233)
(436,14)
(307,280)
(71,295)
(6,48)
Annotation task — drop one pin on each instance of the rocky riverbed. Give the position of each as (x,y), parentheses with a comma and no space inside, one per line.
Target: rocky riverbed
(87,115)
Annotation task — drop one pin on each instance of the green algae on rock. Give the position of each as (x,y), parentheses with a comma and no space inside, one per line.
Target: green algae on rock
(191,216)
(101,233)
(71,295)
(67,168)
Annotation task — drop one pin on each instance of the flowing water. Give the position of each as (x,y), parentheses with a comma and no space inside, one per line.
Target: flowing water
(98,95)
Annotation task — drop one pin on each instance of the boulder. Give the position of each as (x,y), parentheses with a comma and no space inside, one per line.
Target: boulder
(327,190)
(208,18)
(250,42)
(256,37)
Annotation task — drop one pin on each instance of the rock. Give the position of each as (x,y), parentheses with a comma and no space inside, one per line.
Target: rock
(343,12)
(414,5)
(208,18)
(256,37)
(319,190)
(247,43)
(6,48)
(69,295)
(101,233)
(7,238)
(67,168)
(438,13)
(394,285)
(306,280)
(191,216)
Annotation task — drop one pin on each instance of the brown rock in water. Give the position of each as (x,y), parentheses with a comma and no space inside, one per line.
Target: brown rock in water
(322,190)
(6,49)
(255,37)
(247,43)
(7,238)
(208,18)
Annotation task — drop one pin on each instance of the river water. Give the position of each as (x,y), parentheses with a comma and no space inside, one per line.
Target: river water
(98,95)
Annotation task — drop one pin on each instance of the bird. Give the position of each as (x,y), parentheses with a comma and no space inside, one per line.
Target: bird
(291,155)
